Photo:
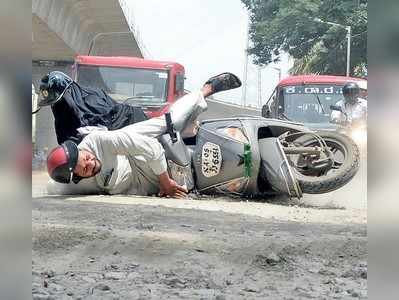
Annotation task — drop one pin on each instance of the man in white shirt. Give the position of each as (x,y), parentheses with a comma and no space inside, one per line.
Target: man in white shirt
(131,160)
(354,109)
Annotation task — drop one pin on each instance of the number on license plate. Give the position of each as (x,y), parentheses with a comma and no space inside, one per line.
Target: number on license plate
(211,159)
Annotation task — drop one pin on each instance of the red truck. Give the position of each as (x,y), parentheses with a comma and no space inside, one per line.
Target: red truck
(153,85)
(307,98)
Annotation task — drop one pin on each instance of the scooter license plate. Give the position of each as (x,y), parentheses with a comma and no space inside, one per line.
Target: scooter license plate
(211,159)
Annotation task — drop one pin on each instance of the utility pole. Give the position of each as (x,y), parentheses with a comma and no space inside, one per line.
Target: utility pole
(259,71)
(348,36)
(244,86)
(260,86)
(279,72)
(348,50)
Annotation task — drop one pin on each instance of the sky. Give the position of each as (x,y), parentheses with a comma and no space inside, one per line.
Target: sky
(207,37)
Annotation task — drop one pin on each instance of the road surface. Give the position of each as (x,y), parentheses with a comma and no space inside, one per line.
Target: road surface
(118,247)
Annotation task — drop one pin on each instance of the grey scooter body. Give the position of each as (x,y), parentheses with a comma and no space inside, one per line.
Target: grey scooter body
(252,165)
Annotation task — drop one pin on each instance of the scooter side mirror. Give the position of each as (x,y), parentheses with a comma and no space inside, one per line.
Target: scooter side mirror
(179,84)
(266,112)
(336,107)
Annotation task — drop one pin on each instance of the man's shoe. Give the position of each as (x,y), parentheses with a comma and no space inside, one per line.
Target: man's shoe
(224,82)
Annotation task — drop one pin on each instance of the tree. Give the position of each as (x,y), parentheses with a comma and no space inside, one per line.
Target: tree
(289,26)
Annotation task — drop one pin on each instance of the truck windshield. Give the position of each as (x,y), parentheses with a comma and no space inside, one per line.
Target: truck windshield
(136,86)
(310,103)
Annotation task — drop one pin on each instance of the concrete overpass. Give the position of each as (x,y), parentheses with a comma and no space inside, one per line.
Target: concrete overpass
(61,29)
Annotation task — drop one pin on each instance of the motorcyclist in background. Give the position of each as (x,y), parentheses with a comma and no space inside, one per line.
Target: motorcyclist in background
(354,108)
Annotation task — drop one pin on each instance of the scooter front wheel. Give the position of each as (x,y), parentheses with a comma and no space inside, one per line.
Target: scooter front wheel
(344,162)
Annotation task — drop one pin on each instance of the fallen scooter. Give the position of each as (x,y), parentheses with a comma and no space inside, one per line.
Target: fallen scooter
(245,155)
(254,156)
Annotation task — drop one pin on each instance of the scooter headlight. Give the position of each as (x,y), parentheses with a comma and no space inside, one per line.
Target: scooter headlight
(359,136)
(234,133)
(181,174)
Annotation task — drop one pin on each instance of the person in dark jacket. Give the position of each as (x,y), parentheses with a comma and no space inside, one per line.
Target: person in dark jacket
(75,106)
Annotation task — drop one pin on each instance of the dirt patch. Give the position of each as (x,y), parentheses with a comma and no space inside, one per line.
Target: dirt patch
(93,250)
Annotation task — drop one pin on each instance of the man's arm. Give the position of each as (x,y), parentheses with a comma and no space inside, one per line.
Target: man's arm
(119,142)
(337,117)
(169,187)
(363,104)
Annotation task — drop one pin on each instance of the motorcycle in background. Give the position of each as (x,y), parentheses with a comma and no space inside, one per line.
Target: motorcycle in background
(356,129)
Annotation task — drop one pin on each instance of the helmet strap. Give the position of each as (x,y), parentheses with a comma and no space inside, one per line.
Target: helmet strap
(36,111)
(70,178)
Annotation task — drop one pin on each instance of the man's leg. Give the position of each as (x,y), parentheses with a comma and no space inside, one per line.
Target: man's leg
(183,111)
(186,109)
(184,114)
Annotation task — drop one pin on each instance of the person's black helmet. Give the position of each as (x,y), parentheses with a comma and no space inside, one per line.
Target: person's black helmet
(351,92)
(52,87)
(61,161)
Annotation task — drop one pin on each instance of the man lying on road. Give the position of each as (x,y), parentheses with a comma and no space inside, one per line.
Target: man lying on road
(131,160)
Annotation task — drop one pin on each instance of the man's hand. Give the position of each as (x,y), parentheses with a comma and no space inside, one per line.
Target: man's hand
(169,187)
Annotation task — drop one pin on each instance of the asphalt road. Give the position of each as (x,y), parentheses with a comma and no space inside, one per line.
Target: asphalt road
(118,247)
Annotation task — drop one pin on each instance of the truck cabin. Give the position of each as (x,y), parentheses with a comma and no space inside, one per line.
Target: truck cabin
(307,98)
(152,85)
